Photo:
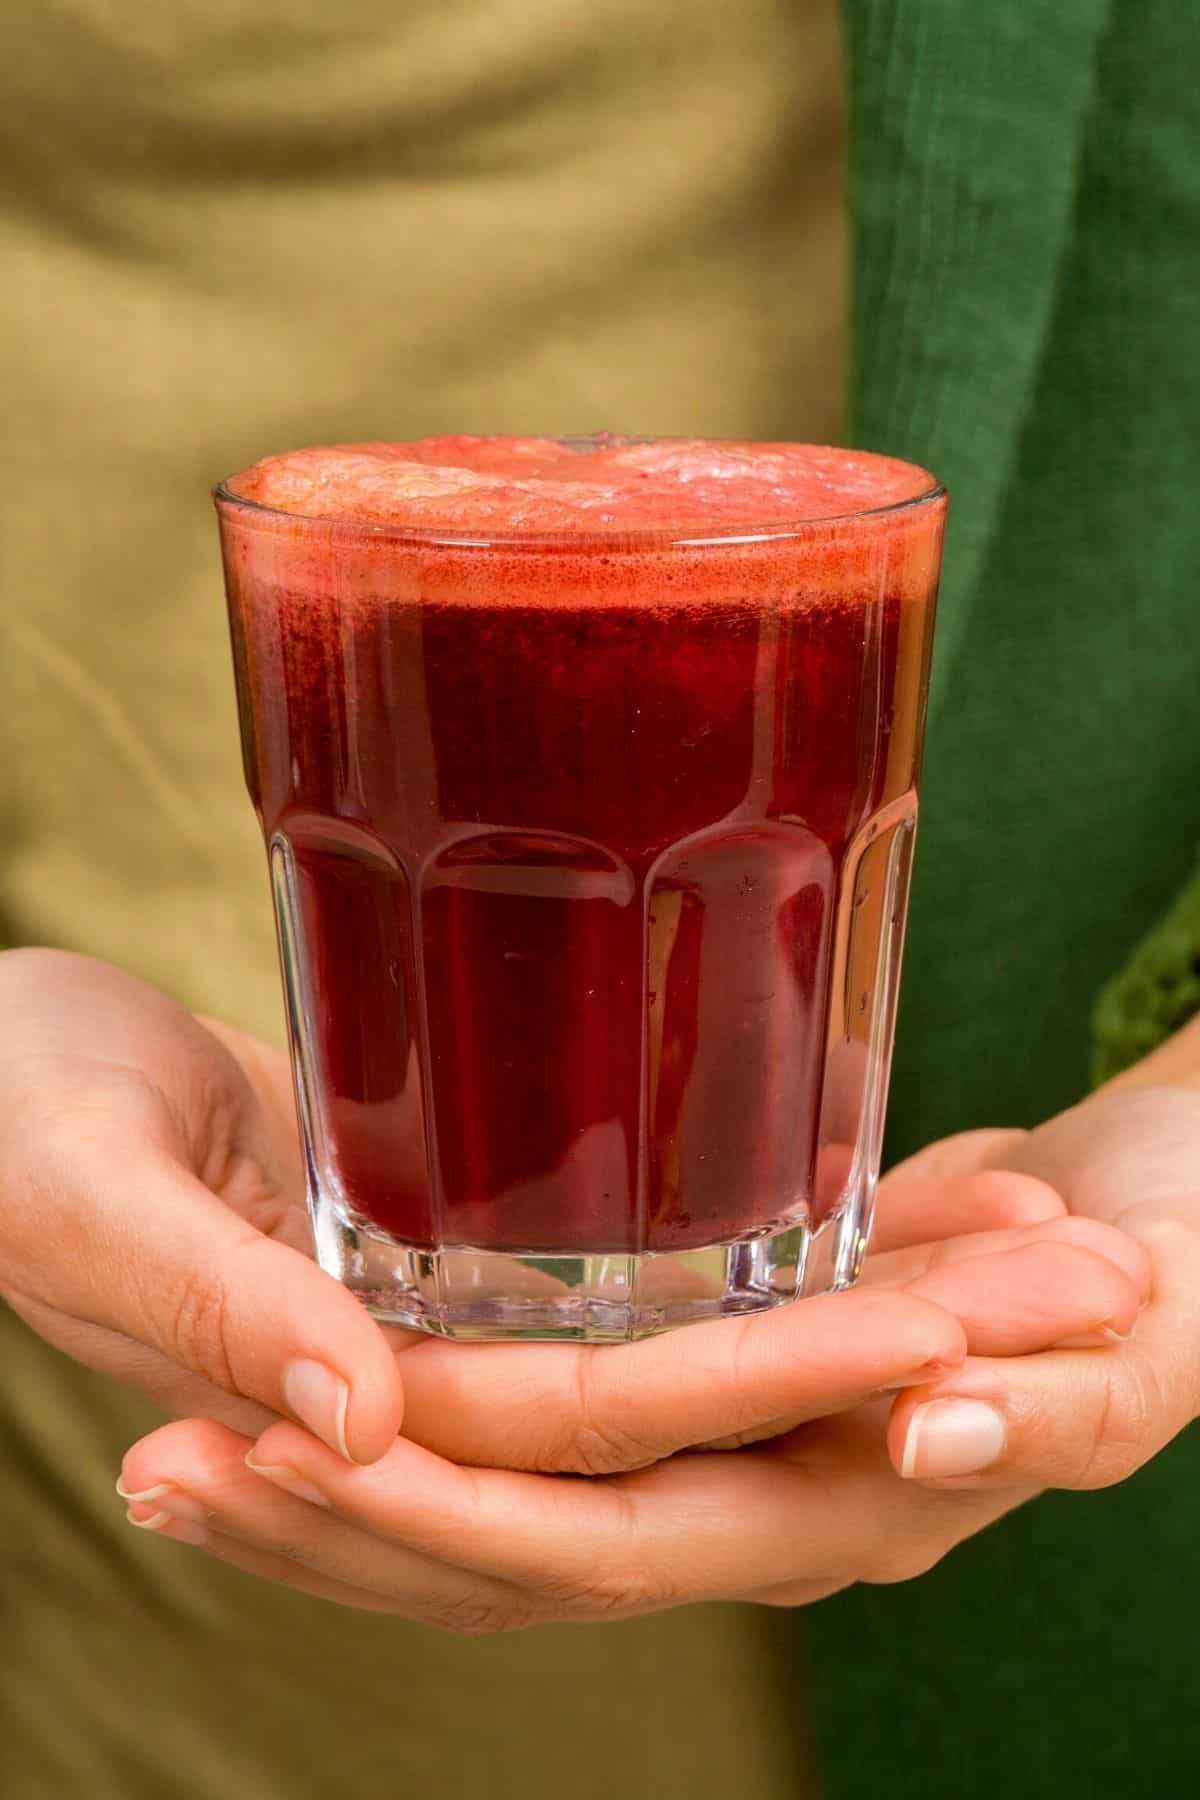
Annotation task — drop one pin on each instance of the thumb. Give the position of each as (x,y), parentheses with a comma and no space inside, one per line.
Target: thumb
(158,1257)
(1068,1418)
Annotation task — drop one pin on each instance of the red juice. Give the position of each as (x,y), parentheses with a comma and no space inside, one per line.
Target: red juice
(584,766)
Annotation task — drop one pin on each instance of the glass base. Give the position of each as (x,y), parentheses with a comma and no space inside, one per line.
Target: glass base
(461,1292)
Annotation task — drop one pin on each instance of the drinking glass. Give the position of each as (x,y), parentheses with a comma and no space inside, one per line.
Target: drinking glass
(590,855)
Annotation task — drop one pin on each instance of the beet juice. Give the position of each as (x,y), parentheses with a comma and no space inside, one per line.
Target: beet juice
(587,772)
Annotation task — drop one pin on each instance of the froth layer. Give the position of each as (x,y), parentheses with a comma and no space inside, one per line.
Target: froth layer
(531,486)
(583,522)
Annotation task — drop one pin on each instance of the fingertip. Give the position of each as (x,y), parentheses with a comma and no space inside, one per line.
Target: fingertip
(947,1337)
(936,1325)
(373,1419)
(358,1418)
(1009,1198)
(1114,1246)
(288,1446)
(950,1439)
(920,1338)
(183,1443)
(1034,1296)
(375,1411)
(342,1383)
(1125,1299)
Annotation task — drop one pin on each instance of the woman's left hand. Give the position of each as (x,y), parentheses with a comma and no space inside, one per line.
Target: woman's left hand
(1129,1156)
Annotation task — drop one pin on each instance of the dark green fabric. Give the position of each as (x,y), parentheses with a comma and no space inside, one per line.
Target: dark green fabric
(1026,189)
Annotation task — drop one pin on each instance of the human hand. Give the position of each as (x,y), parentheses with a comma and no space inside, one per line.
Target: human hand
(154,1228)
(811,1507)
(1130,1157)
(153,1224)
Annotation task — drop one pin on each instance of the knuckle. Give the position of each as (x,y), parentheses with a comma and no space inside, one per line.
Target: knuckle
(592,1441)
(614,1593)
(477,1614)
(197,1328)
(1124,1426)
(600,1450)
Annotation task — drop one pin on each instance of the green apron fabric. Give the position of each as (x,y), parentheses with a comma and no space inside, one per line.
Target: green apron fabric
(225,229)
(1026,198)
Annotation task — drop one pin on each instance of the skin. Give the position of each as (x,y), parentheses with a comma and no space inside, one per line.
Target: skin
(154,1229)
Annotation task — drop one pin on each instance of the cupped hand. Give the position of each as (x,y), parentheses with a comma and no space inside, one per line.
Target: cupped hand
(1128,1157)
(455,1526)
(154,1228)
(153,1223)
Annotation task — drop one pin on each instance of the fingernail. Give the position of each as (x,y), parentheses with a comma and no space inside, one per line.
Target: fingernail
(952,1437)
(287,1479)
(180,1531)
(319,1399)
(152,1522)
(172,1504)
(1095,1340)
(143,1495)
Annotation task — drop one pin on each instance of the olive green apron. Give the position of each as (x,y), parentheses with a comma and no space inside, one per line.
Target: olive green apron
(227,229)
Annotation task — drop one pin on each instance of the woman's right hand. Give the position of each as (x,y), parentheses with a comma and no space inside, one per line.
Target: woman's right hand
(153,1222)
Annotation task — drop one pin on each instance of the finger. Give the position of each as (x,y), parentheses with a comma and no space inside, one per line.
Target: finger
(729,1383)
(197,1472)
(260,1563)
(1034,1297)
(1073,1419)
(600,1410)
(164,1262)
(1011,1303)
(918,1205)
(907,1267)
(690,1529)
(963,1154)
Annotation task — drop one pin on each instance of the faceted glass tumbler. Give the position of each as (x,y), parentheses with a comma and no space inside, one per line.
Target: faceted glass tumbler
(590,859)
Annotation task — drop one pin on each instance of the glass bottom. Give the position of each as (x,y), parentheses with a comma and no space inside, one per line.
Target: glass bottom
(467,1293)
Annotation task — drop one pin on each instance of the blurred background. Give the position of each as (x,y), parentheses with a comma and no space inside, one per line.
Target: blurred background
(232,229)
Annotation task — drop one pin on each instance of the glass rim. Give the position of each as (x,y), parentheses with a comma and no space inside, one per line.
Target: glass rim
(613,539)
